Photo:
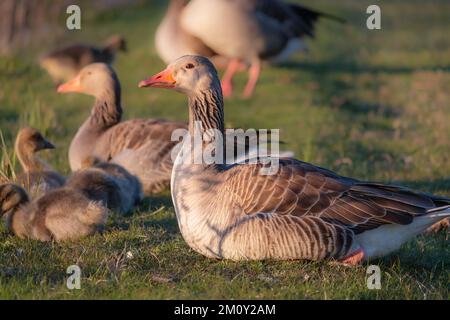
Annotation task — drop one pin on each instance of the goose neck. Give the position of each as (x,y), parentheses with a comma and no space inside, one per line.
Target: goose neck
(206,108)
(206,128)
(107,110)
(29,161)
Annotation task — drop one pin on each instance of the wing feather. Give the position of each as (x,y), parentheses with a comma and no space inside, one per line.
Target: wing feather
(303,190)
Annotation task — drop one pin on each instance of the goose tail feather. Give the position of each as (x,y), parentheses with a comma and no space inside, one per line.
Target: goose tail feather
(439,212)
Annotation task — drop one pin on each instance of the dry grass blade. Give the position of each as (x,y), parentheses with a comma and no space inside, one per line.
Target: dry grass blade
(7,160)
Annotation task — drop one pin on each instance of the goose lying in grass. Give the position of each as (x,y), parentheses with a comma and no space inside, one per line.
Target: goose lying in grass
(300,212)
(38,176)
(250,31)
(142,146)
(107,183)
(64,64)
(61,214)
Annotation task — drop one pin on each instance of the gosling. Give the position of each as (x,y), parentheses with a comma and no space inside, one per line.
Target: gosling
(62,214)
(38,177)
(108,183)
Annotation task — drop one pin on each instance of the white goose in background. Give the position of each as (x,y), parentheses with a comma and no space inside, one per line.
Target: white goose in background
(171,41)
(249,32)
(301,212)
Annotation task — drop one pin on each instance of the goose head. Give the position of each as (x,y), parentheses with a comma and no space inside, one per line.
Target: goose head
(189,75)
(95,79)
(31,140)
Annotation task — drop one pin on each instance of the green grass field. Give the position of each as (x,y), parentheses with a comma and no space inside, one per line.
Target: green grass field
(369,104)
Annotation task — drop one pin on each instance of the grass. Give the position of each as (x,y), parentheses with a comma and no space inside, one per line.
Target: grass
(368,104)
(7,161)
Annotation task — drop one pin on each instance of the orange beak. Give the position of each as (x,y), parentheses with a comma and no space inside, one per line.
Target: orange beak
(73,85)
(163,79)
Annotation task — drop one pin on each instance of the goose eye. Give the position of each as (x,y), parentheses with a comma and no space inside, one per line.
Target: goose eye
(189,66)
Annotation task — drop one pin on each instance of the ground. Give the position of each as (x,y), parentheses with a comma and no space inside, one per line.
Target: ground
(368,104)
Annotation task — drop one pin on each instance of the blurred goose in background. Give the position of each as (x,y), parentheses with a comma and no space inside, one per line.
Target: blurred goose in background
(300,211)
(62,214)
(172,41)
(142,146)
(38,176)
(107,183)
(250,31)
(64,64)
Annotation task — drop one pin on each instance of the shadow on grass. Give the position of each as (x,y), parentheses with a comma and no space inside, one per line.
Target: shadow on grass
(155,202)
(152,212)
(156,212)
(170,225)
(332,90)
(363,108)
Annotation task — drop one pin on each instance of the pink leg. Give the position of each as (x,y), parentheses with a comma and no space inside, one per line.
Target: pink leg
(253,76)
(227,80)
(355,258)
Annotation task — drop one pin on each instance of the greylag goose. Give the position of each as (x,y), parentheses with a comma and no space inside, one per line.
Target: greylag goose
(301,211)
(38,176)
(64,64)
(249,31)
(107,183)
(62,214)
(143,147)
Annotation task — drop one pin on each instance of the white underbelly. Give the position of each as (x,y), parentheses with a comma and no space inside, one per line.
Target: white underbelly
(201,217)
(389,238)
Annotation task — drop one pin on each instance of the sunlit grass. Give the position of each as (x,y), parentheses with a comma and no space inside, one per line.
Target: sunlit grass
(38,117)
